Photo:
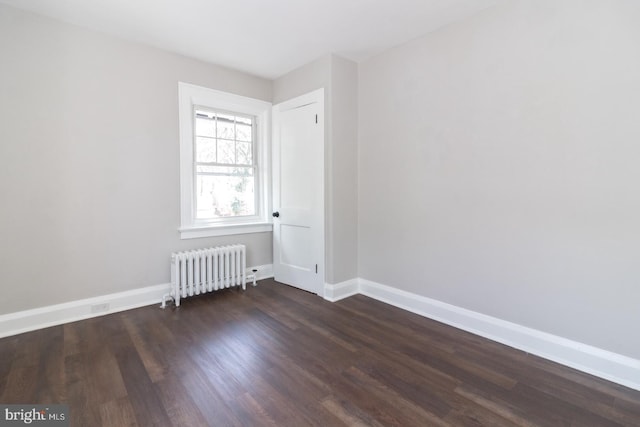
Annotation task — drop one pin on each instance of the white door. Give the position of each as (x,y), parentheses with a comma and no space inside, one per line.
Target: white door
(298,192)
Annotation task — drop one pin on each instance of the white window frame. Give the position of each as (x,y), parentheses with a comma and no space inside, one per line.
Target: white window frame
(189,97)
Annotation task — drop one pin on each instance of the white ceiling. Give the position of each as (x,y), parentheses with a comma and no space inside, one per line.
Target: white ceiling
(267,38)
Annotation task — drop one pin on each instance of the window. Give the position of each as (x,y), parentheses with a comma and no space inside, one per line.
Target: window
(224,142)
(225,171)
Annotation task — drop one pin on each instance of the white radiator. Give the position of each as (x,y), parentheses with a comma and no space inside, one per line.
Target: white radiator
(205,270)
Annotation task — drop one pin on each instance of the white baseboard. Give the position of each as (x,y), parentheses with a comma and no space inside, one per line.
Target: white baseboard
(592,360)
(52,315)
(341,290)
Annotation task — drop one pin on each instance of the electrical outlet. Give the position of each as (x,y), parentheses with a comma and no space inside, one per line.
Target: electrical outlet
(99,308)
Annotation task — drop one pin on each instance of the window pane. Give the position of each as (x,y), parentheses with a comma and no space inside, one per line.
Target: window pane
(224,196)
(205,127)
(224,170)
(205,150)
(226,151)
(243,132)
(226,127)
(244,153)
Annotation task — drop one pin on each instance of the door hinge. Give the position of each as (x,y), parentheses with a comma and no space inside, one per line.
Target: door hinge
(316,118)
(316,268)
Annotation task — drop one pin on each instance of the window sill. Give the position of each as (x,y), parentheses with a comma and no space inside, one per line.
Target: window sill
(224,230)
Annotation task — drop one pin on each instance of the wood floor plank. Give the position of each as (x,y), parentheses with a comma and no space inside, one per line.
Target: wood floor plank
(278,356)
(278,406)
(180,408)
(406,412)
(20,386)
(252,412)
(71,341)
(136,383)
(7,354)
(348,413)
(320,415)
(149,353)
(205,395)
(499,407)
(473,415)
(83,406)
(118,413)
(556,410)
(50,386)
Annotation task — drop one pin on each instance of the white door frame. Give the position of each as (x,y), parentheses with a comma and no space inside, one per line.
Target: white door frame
(316,96)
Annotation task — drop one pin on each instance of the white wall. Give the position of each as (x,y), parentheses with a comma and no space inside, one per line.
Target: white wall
(343,179)
(498,168)
(339,78)
(89,172)
(305,79)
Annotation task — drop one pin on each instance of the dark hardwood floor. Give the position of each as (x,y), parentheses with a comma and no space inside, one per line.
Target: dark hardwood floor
(277,356)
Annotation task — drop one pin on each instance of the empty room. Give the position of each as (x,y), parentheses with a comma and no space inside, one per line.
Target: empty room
(320,212)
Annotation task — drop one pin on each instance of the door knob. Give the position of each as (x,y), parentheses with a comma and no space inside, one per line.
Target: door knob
(276,214)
